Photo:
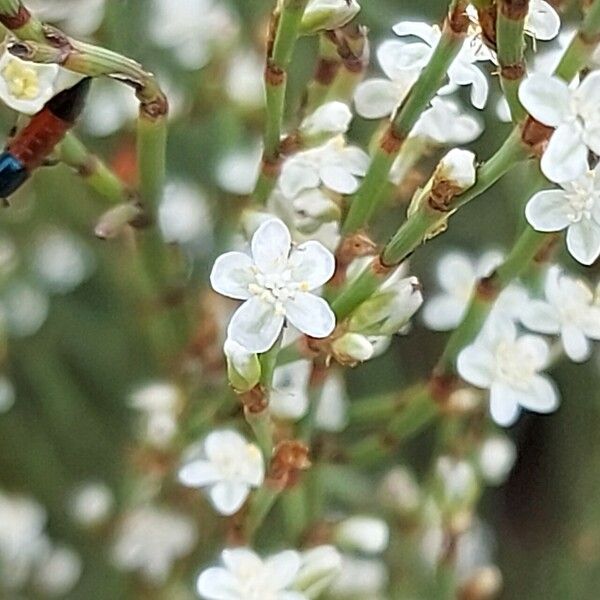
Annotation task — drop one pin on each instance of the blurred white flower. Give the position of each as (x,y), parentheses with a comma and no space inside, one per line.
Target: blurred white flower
(25,308)
(245,575)
(276,283)
(243,367)
(228,466)
(333,165)
(360,578)
(568,311)
(457,274)
(461,72)
(496,458)
(400,491)
(150,539)
(244,80)
(509,366)
(574,114)
(289,397)
(332,408)
(331,118)
(78,17)
(576,208)
(366,534)
(184,215)
(58,571)
(7,394)
(110,107)
(237,172)
(193,30)
(458,479)
(91,503)
(320,566)
(328,14)
(61,260)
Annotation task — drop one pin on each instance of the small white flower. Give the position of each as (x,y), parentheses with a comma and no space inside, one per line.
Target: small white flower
(574,113)
(458,168)
(328,14)
(150,539)
(228,466)
(509,366)
(244,81)
(58,571)
(332,408)
(109,107)
(331,118)
(237,172)
(320,567)
(91,503)
(461,72)
(458,480)
(457,275)
(363,533)
(360,578)
(276,284)
(576,208)
(568,311)
(400,491)
(245,575)
(289,397)
(496,458)
(333,165)
(25,308)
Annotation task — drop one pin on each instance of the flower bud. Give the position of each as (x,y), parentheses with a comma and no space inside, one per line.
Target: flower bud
(331,118)
(456,169)
(320,566)
(457,483)
(496,458)
(327,14)
(243,367)
(389,309)
(115,220)
(400,491)
(313,208)
(363,533)
(352,348)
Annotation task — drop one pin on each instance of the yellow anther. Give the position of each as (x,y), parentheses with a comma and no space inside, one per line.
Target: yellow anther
(22,80)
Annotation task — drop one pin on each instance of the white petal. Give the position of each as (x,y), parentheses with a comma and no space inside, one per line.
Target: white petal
(548,210)
(503,407)
(311,315)
(476,366)
(217,441)
(332,117)
(443,313)
(543,20)
(541,397)
(271,246)
(228,496)
(546,98)
(355,160)
(456,273)
(338,179)
(566,157)
(461,73)
(296,175)
(376,98)
(590,322)
(576,345)
(217,584)
(198,473)
(282,568)
(583,241)
(241,561)
(401,61)
(541,317)
(419,29)
(231,274)
(312,264)
(537,348)
(291,596)
(255,325)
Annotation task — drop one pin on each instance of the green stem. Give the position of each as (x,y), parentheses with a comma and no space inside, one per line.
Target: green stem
(260,506)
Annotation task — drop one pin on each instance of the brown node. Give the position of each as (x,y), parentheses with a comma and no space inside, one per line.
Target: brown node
(274,75)
(487,21)
(441,386)
(353,246)
(487,288)
(327,69)
(513,72)
(254,401)
(16,21)
(515,10)
(441,196)
(380,267)
(391,142)
(290,458)
(535,135)
(458,20)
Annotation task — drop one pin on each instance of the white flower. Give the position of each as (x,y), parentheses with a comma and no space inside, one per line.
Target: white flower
(363,533)
(77,17)
(332,408)
(7,394)
(377,98)
(276,284)
(496,458)
(457,275)
(542,21)
(58,571)
(237,172)
(150,539)
(509,366)
(458,480)
(461,72)
(320,567)
(331,118)
(245,575)
(400,491)
(333,165)
(91,503)
(576,208)
(289,398)
(458,168)
(194,30)
(109,107)
(328,14)
(228,466)
(575,115)
(25,307)
(244,81)
(360,578)
(568,311)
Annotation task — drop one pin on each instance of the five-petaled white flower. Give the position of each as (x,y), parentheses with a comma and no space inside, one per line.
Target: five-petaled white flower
(574,112)
(508,365)
(276,284)
(568,311)
(245,576)
(228,466)
(461,72)
(576,208)
(334,165)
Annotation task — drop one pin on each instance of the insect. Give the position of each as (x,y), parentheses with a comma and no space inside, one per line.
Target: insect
(31,147)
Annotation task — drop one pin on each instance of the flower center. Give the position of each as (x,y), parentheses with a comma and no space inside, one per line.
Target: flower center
(581,202)
(22,80)
(276,288)
(513,366)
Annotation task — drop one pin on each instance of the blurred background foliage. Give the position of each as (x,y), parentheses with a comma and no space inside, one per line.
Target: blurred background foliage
(71,422)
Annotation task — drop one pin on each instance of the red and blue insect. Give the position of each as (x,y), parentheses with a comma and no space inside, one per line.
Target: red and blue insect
(31,147)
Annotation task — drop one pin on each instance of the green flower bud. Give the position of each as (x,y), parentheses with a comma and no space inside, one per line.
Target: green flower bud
(243,367)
